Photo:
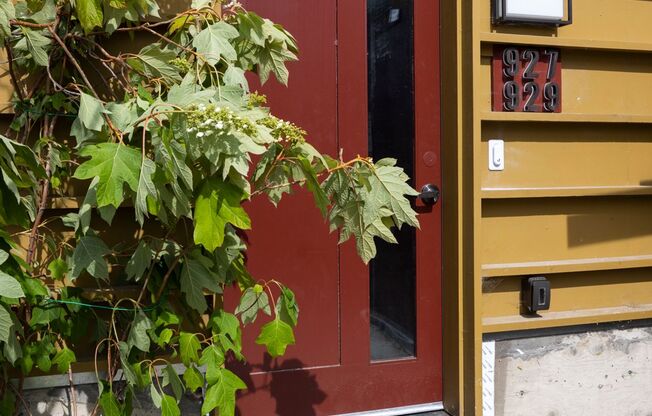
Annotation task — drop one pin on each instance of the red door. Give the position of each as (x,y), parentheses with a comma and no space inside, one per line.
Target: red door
(368,337)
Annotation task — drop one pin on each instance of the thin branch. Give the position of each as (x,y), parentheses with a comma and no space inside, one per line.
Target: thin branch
(21,398)
(167,277)
(73,394)
(32,25)
(84,77)
(45,189)
(12,73)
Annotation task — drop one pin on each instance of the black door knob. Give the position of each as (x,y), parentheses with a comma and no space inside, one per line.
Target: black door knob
(429,194)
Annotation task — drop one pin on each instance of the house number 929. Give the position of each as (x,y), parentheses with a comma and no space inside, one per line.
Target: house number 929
(526,79)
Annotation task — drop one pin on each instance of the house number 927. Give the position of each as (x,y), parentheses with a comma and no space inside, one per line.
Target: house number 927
(526,79)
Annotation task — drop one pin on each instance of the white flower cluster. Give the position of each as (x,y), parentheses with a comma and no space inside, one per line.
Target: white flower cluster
(232,3)
(208,120)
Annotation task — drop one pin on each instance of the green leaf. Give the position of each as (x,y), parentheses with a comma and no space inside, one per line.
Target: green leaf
(10,287)
(250,303)
(7,13)
(109,404)
(236,76)
(389,187)
(138,336)
(12,350)
(276,336)
(164,337)
(169,406)
(193,379)
(139,261)
(63,359)
(34,287)
(4,256)
(122,115)
(146,188)
(46,314)
(212,358)
(34,43)
(91,112)
(43,362)
(321,200)
(127,369)
(89,255)
(155,395)
(195,277)
(171,377)
(155,63)
(115,165)
(58,268)
(213,42)
(287,308)
(218,203)
(188,347)
(6,324)
(221,394)
(89,13)
(272,59)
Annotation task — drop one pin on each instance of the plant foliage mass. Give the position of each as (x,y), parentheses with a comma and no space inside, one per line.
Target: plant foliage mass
(166,144)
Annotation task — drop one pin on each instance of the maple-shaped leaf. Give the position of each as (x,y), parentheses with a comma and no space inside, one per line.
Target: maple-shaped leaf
(217,204)
(221,394)
(89,13)
(213,42)
(114,165)
(63,359)
(276,336)
(195,277)
(188,347)
(272,59)
(138,336)
(169,406)
(389,188)
(193,379)
(212,358)
(89,255)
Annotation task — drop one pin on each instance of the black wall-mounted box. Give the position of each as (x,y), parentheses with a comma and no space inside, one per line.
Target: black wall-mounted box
(535,294)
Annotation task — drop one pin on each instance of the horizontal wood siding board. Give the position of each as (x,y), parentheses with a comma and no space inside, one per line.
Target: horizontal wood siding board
(565,229)
(584,296)
(609,24)
(565,266)
(571,318)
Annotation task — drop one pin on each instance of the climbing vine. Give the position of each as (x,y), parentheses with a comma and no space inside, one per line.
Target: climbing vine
(125,179)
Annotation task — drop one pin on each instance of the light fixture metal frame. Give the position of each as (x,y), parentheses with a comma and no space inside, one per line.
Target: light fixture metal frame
(496,19)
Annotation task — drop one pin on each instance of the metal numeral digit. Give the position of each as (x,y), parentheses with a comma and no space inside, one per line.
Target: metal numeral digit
(533,89)
(532,56)
(552,62)
(511,96)
(510,62)
(550,96)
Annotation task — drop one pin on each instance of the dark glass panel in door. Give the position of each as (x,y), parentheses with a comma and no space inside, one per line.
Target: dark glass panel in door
(391,134)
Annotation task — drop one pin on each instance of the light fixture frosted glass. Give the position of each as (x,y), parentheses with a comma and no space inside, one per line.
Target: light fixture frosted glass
(534,9)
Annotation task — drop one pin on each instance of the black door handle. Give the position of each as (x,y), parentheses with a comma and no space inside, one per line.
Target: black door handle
(429,194)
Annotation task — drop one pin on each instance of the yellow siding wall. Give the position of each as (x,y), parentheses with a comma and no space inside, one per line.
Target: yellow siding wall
(574,202)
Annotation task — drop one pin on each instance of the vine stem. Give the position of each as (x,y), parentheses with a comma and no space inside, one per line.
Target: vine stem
(21,398)
(73,394)
(341,166)
(41,209)
(12,72)
(84,77)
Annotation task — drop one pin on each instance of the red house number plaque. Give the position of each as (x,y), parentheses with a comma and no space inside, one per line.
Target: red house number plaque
(526,79)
